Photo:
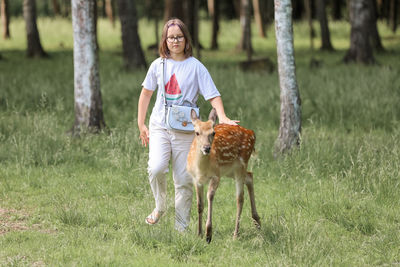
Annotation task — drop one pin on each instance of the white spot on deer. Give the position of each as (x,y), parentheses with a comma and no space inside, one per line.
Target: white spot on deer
(227,154)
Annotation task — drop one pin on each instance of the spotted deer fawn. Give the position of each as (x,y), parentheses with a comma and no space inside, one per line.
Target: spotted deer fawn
(223,150)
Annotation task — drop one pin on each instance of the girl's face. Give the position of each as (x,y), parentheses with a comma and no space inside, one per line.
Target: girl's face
(176,41)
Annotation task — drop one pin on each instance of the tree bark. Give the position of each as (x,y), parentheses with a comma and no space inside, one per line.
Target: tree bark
(375,37)
(290,118)
(337,9)
(196,27)
(393,15)
(237,7)
(65,7)
(384,7)
(87,95)
(189,17)
(56,7)
(297,9)
(5,19)
(361,19)
(174,8)
(245,23)
(154,11)
(132,49)
(213,9)
(307,5)
(35,48)
(109,10)
(258,18)
(268,11)
(191,20)
(323,22)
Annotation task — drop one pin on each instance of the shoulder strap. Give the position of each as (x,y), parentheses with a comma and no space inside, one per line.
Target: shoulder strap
(162,80)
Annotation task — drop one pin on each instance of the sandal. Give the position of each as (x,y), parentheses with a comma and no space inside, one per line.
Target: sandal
(154,217)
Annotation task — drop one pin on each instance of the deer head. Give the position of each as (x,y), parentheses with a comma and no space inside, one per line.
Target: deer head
(204,131)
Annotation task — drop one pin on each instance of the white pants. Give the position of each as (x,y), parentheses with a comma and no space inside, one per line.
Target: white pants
(166,145)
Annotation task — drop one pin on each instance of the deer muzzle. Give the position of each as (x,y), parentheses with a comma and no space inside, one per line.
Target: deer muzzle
(206,150)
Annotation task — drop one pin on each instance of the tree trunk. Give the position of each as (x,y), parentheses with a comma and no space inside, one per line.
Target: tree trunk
(88,103)
(337,9)
(132,48)
(35,48)
(65,7)
(297,9)
(154,12)
(375,37)
(213,9)
(382,8)
(56,7)
(237,7)
(191,20)
(188,17)
(393,15)
(290,119)
(245,23)
(268,11)
(109,9)
(173,8)
(196,28)
(95,24)
(323,22)
(258,18)
(385,11)
(307,5)
(5,19)
(361,19)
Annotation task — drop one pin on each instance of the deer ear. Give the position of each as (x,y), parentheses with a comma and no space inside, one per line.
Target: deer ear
(193,115)
(213,115)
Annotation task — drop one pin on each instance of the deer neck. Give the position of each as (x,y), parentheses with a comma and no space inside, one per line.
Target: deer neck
(203,161)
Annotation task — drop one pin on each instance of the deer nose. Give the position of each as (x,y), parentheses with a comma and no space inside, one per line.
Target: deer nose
(207,149)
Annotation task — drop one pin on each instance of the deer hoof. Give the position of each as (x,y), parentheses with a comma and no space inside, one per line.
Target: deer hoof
(208,239)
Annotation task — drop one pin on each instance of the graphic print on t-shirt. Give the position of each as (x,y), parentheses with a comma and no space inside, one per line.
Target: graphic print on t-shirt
(172,90)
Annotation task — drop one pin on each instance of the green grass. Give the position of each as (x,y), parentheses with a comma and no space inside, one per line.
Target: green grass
(68,201)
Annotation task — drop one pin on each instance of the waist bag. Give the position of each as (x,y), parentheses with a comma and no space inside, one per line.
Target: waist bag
(178,118)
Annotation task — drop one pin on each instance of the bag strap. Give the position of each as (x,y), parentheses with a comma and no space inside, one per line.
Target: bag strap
(162,81)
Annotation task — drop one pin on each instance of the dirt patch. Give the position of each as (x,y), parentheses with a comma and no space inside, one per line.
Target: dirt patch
(15,220)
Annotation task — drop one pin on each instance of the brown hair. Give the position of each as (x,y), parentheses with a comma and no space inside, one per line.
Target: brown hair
(163,48)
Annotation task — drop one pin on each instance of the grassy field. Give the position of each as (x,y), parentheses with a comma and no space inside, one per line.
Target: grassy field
(68,201)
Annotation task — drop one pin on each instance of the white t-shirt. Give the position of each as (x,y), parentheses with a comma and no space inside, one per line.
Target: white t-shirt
(183,81)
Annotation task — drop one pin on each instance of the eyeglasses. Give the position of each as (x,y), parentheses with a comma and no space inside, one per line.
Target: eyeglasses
(172,39)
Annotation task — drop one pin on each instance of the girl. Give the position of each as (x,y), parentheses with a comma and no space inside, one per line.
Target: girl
(184,79)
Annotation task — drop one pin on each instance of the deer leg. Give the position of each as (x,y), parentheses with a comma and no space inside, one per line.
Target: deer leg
(212,187)
(200,206)
(239,203)
(250,188)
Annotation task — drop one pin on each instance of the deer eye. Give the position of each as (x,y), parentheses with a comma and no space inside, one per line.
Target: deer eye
(213,134)
(197,133)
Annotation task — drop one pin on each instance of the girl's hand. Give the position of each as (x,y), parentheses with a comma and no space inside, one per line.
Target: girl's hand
(144,135)
(226,120)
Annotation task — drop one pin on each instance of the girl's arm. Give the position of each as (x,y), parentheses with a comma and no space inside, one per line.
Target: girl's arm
(143,104)
(216,102)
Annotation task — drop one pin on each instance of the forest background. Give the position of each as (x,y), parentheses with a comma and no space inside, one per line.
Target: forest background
(82,201)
